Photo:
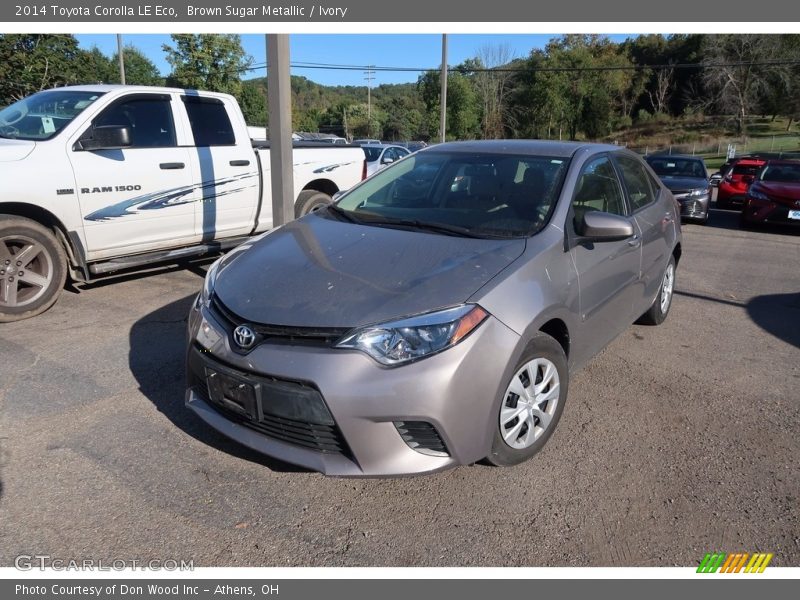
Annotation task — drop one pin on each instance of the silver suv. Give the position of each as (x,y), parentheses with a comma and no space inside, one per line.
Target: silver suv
(433,315)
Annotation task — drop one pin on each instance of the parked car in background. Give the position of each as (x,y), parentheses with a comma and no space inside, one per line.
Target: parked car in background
(366,141)
(774,197)
(103,178)
(686,177)
(332,140)
(734,184)
(415,324)
(379,156)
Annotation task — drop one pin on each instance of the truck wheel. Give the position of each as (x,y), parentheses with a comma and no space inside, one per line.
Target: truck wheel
(32,268)
(309,201)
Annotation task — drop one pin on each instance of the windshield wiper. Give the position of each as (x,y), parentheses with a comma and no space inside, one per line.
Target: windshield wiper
(347,215)
(444,228)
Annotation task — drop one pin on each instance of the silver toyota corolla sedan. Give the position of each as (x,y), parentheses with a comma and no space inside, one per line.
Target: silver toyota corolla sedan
(433,315)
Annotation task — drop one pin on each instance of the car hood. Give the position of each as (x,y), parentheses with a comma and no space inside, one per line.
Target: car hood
(678,184)
(790,191)
(11,150)
(317,272)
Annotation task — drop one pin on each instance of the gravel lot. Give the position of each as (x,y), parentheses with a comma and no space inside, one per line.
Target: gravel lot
(675,441)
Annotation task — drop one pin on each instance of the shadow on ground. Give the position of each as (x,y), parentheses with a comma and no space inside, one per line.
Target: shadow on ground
(157,361)
(778,314)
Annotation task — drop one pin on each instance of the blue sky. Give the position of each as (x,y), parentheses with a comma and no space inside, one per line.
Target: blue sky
(398,50)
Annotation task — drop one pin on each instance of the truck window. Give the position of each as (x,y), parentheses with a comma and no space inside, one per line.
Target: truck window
(209,120)
(148,118)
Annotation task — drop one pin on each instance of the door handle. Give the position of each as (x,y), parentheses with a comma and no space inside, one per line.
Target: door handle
(635,241)
(239,163)
(170,166)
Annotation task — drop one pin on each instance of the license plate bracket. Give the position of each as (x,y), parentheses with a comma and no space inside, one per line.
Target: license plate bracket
(233,393)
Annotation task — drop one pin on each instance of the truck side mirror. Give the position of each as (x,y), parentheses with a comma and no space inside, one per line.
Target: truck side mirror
(106,137)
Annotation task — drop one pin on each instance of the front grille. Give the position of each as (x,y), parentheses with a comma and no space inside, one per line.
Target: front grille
(422,437)
(309,336)
(289,411)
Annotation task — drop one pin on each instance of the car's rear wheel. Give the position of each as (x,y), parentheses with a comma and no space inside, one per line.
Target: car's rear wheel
(309,201)
(32,268)
(659,310)
(532,403)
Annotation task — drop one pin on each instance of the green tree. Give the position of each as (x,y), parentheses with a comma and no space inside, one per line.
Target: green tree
(33,62)
(92,66)
(139,70)
(463,112)
(207,61)
(253,100)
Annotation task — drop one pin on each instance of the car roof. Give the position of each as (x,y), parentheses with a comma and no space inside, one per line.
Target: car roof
(674,156)
(784,161)
(534,147)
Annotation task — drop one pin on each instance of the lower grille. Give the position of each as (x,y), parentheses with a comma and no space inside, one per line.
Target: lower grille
(322,438)
(290,412)
(422,437)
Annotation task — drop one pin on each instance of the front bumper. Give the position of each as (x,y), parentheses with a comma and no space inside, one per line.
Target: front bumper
(694,207)
(768,213)
(456,392)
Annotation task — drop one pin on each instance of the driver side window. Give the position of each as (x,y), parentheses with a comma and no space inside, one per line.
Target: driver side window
(598,189)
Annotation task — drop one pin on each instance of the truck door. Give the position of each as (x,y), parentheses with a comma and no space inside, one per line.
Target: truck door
(140,197)
(224,163)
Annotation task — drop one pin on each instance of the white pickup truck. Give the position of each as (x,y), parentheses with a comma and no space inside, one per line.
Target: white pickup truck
(100,178)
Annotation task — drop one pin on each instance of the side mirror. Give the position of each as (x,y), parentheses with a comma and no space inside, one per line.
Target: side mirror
(387,161)
(596,226)
(107,137)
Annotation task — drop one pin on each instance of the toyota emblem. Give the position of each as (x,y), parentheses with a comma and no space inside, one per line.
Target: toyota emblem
(244,337)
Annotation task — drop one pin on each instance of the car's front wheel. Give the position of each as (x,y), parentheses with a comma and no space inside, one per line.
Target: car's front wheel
(32,268)
(532,403)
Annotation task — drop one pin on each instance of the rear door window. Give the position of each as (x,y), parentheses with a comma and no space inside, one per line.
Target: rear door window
(640,188)
(210,123)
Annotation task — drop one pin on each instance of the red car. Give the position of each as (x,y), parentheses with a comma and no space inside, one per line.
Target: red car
(775,196)
(733,187)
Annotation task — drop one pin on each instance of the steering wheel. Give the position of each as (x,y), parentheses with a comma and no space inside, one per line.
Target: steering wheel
(16,115)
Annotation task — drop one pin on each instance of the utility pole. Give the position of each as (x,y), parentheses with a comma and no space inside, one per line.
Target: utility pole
(280,128)
(443,119)
(370,75)
(121,59)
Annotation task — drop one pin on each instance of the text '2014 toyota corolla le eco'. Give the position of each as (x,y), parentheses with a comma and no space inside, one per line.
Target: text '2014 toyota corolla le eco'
(432,316)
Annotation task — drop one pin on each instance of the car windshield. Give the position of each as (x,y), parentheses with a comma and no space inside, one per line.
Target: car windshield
(42,115)
(455,193)
(741,169)
(781,173)
(677,167)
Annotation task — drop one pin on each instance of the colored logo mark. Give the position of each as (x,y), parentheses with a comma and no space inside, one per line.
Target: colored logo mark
(734,563)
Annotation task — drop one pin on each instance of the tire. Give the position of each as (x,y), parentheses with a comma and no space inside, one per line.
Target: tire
(43,264)
(545,358)
(659,310)
(309,201)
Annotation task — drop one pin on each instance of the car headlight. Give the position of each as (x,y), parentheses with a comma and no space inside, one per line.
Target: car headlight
(699,192)
(756,195)
(405,340)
